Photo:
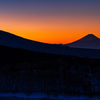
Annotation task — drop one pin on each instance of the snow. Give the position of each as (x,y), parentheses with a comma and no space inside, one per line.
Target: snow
(50,96)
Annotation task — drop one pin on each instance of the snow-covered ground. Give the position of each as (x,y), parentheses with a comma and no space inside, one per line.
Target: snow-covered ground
(51,96)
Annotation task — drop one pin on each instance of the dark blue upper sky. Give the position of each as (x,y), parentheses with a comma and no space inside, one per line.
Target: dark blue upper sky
(51,6)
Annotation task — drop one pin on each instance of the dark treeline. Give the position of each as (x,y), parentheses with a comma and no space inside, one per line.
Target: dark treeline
(29,71)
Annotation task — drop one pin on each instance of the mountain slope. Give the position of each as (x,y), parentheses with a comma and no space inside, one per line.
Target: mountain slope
(8,39)
(90,41)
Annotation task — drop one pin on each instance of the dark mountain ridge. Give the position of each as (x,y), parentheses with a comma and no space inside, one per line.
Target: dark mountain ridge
(90,42)
(11,40)
(8,39)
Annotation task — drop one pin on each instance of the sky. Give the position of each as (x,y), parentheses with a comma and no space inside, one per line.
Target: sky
(50,21)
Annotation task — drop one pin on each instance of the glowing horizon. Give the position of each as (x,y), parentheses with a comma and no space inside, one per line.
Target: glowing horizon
(51,22)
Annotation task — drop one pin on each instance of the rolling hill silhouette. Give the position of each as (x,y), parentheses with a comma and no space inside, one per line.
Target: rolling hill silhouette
(11,40)
(90,42)
(8,39)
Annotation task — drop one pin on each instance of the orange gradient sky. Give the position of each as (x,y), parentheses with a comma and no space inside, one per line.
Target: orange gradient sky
(54,25)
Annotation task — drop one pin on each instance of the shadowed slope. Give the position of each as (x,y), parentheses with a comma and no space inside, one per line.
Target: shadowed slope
(11,40)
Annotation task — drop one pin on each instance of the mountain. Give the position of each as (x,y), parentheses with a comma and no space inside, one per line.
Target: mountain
(90,42)
(11,40)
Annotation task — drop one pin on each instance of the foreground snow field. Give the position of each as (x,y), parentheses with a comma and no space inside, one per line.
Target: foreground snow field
(43,96)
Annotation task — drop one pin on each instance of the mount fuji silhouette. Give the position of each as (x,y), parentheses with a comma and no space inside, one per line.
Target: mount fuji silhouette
(90,41)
